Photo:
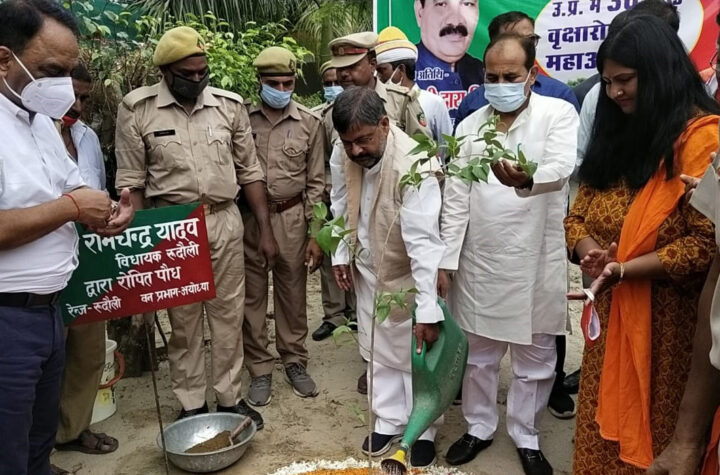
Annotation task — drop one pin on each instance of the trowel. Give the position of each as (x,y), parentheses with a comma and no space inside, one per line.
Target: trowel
(437,376)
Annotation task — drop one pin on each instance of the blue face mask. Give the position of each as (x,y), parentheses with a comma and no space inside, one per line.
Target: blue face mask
(506,97)
(274,98)
(331,92)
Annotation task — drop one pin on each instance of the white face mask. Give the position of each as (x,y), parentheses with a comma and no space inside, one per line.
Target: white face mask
(506,97)
(48,96)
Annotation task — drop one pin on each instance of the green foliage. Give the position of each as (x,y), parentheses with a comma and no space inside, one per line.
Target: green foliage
(323,20)
(316,22)
(475,168)
(386,301)
(237,12)
(230,53)
(575,82)
(328,233)
(311,100)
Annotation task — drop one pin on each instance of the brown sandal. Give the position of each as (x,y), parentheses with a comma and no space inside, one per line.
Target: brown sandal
(90,443)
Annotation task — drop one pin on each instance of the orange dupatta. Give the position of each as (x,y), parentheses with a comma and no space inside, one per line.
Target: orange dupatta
(623,411)
(712,465)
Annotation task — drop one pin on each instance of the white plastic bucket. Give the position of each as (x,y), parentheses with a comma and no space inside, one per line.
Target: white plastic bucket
(105,402)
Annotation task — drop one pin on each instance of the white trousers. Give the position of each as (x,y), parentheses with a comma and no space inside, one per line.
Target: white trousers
(392,402)
(533,368)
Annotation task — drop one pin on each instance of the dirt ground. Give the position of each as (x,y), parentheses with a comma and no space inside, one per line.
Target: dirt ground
(326,427)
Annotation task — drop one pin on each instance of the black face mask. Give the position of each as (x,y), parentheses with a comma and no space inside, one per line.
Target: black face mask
(186,88)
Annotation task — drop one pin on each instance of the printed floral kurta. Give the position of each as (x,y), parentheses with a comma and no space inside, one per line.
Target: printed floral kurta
(686,246)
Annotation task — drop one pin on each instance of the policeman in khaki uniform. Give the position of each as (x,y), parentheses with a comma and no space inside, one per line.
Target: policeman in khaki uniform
(354,58)
(338,305)
(290,144)
(177,142)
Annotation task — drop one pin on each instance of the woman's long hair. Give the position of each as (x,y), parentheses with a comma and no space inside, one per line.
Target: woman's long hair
(631,147)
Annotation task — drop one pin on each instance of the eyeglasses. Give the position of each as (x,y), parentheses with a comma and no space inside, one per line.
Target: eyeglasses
(361,142)
(714,61)
(535,38)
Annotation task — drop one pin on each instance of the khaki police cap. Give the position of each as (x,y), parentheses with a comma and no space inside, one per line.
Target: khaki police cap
(176,44)
(275,61)
(350,49)
(325,66)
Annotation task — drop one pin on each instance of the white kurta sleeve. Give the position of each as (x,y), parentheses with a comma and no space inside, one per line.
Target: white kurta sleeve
(587,119)
(338,199)
(455,212)
(98,160)
(419,218)
(73,178)
(559,154)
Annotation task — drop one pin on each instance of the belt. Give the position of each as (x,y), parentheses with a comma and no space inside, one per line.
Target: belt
(209,208)
(214,208)
(280,206)
(27,299)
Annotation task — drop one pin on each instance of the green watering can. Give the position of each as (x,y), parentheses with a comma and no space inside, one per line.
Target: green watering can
(436,379)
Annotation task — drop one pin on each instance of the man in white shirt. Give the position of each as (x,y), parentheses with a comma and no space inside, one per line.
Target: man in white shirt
(397,241)
(84,344)
(506,246)
(42,195)
(396,58)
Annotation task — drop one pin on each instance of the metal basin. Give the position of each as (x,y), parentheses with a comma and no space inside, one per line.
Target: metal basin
(185,433)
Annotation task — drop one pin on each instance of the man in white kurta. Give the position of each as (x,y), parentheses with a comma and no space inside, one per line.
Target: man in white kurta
(398,247)
(505,246)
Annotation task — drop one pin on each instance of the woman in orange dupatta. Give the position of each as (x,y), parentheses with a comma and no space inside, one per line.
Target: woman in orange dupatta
(648,250)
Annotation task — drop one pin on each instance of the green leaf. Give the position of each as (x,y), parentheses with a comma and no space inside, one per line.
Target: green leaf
(320,210)
(530,168)
(425,144)
(382,311)
(326,239)
(339,332)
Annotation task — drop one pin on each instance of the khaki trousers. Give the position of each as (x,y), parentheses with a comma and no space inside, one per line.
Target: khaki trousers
(289,295)
(338,305)
(84,362)
(224,313)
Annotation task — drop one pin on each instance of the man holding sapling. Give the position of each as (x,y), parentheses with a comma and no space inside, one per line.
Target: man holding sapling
(505,245)
(396,240)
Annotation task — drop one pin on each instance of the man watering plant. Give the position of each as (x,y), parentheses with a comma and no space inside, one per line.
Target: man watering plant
(397,246)
(506,248)
(354,57)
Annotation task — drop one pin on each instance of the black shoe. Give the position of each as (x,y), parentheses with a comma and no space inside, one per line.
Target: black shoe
(534,462)
(422,453)
(324,330)
(572,382)
(244,410)
(362,386)
(381,443)
(560,404)
(192,412)
(465,449)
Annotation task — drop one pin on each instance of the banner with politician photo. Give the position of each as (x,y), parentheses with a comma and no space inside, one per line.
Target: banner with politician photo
(451,36)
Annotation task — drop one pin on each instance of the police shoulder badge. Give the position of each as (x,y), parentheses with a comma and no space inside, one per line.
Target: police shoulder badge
(421,119)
